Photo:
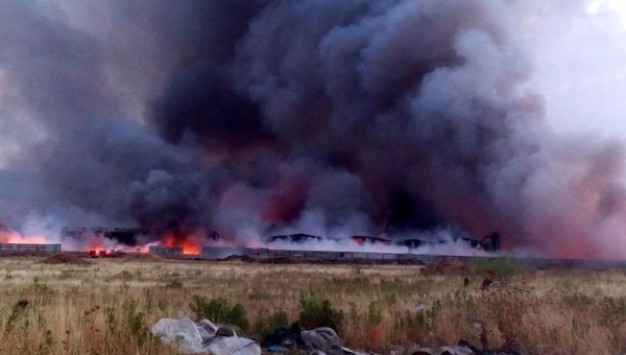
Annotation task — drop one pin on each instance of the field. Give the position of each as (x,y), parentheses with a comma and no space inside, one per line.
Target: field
(108,305)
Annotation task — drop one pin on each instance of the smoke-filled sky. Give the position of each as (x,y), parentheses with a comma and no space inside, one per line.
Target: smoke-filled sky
(317,116)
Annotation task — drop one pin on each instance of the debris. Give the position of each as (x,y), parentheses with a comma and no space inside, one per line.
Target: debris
(462,348)
(318,341)
(103,253)
(323,339)
(203,337)
(420,308)
(183,332)
(208,326)
(21,304)
(486,283)
(225,331)
(234,346)
(346,351)
(459,349)
(284,338)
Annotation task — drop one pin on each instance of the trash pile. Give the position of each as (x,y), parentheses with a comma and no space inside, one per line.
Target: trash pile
(318,341)
(206,337)
(203,337)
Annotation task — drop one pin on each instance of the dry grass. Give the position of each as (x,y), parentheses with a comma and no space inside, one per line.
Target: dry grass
(61,258)
(107,308)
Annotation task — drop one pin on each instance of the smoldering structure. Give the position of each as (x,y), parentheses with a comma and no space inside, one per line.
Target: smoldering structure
(316,116)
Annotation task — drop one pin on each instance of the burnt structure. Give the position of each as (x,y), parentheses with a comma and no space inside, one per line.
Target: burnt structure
(125,236)
(294,238)
(489,242)
(133,236)
(29,248)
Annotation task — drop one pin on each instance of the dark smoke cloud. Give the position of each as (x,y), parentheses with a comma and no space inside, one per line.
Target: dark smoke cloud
(252,117)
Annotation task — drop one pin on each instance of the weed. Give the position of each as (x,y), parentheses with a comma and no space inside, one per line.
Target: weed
(578,300)
(315,312)
(267,321)
(613,312)
(136,321)
(47,345)
(219,310)
(508,306)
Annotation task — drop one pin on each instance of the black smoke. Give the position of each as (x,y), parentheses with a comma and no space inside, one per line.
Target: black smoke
(337,117)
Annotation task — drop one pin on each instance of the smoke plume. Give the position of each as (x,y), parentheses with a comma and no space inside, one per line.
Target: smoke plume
(251,117)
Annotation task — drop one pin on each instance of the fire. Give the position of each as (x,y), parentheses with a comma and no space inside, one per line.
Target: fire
(14,237)
(95,249)
(190,244)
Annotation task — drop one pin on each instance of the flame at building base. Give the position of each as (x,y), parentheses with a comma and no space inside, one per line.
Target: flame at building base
(190,244)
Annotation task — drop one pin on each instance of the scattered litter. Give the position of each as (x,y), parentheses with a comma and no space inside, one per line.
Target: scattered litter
(420,308)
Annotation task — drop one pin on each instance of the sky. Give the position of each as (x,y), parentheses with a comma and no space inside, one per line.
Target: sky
(578,52)
(253,117)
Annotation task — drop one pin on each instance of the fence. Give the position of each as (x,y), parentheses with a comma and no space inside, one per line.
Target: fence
(213,253)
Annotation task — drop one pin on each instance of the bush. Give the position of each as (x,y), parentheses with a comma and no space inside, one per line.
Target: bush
(136,321)
(266,322)
(220,311)
(315,312)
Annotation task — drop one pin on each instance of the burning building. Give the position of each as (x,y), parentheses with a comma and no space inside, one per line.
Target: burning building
(165,251)
(22,248)
(327,117)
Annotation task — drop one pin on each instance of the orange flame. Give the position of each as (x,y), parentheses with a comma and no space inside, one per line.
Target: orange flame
(14,237)
(190,244)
